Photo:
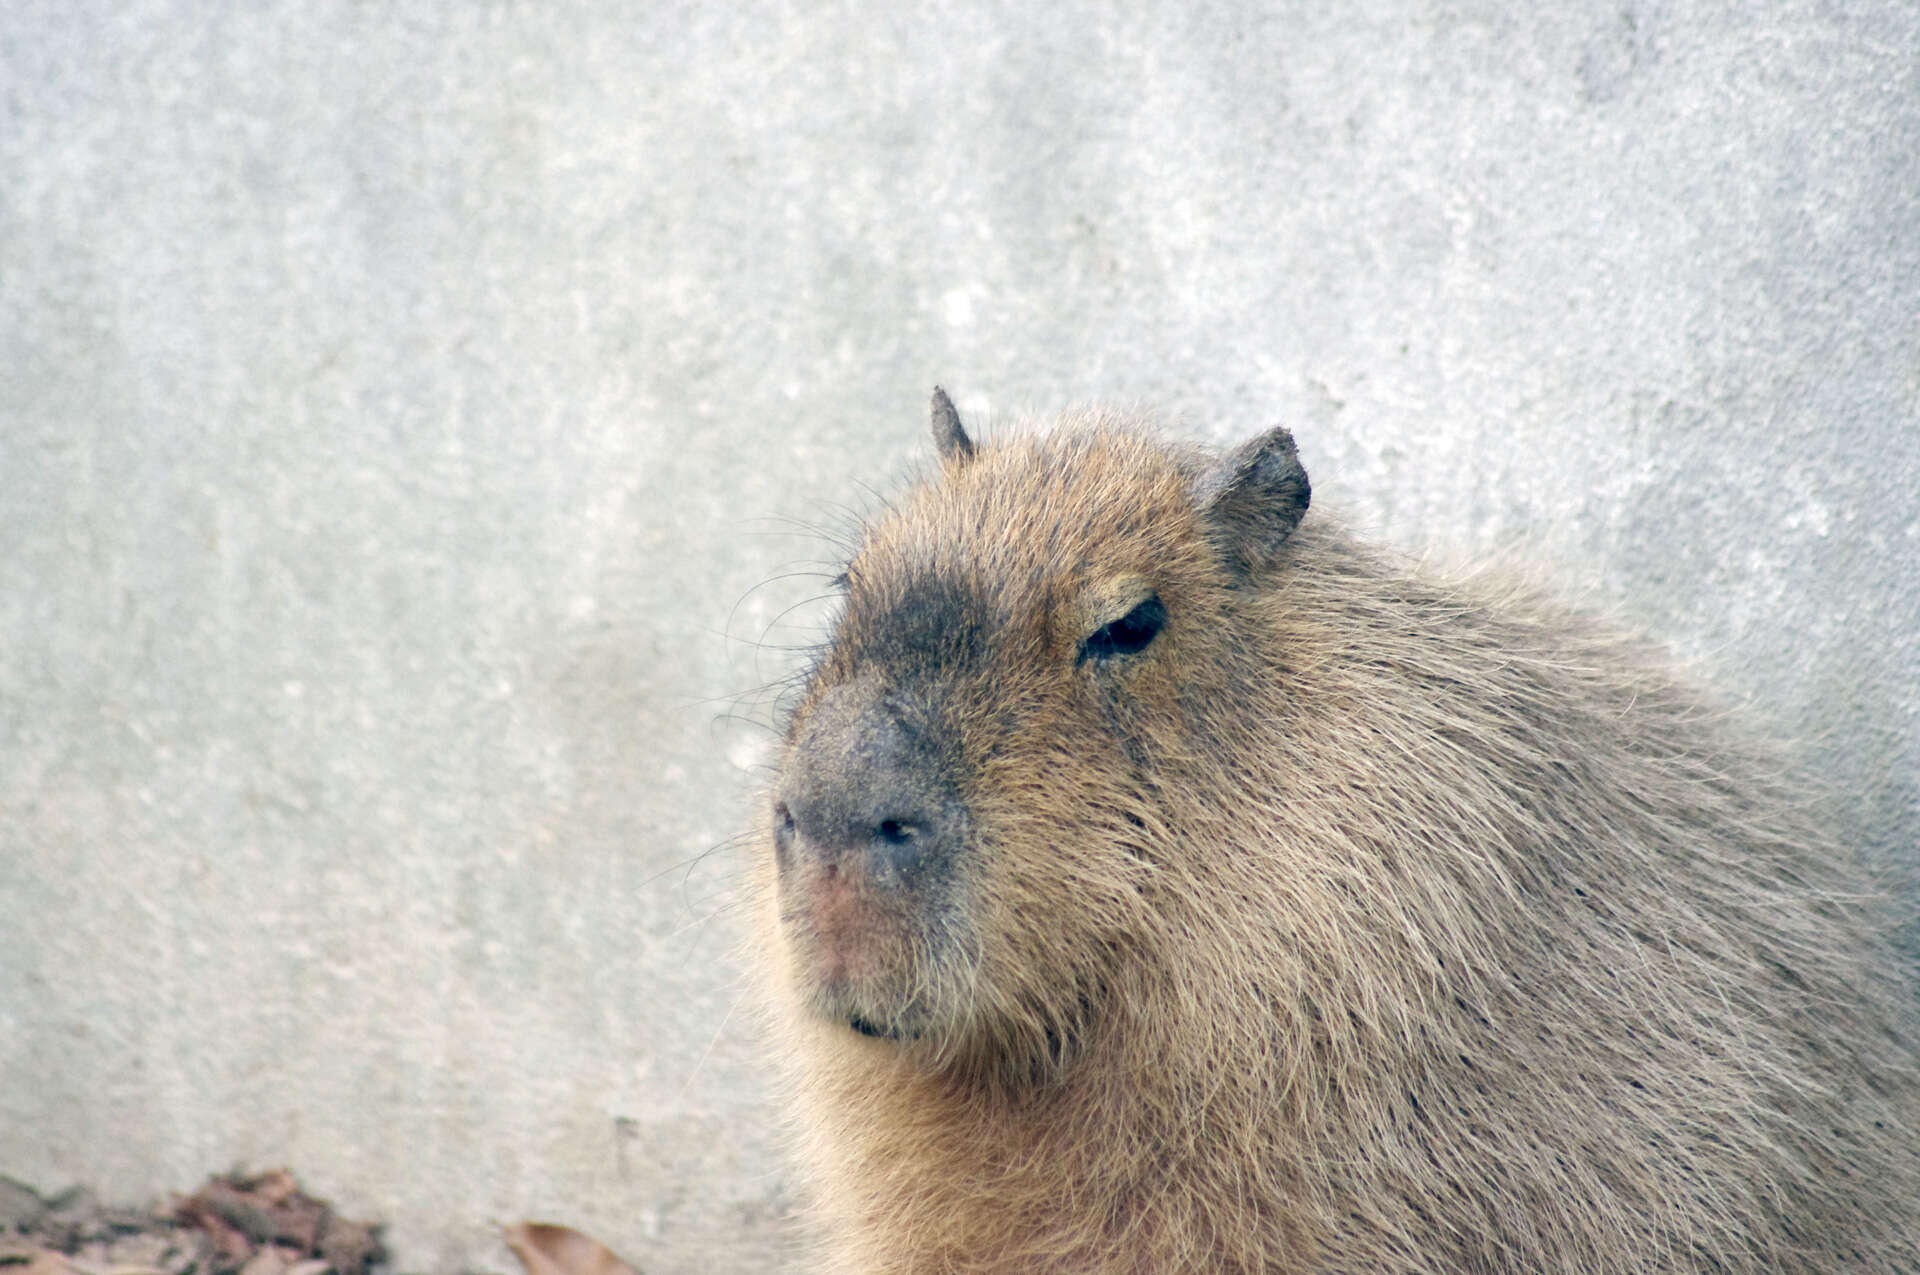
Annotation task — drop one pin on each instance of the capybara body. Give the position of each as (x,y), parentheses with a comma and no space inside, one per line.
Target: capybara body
(1157,880)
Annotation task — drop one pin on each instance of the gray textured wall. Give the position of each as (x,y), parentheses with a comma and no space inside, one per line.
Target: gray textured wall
(399,408)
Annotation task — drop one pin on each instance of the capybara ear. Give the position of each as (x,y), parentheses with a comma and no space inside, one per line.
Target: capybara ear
(1252,498)
(948,434)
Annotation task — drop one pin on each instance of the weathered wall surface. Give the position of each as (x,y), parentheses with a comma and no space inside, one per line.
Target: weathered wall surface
(399,408)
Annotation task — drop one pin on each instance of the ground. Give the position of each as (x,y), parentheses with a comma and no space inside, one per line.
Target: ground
(236,1224)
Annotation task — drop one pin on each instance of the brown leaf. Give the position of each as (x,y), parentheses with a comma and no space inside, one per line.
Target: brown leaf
(271,1260)
(349,1247)
(264,1216)
(228,1241)
(243,1214)
(546,1249)
(149,1251)
(275,1186)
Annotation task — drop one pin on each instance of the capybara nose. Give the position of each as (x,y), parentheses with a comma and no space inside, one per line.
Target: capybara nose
(887,852)
(863,796)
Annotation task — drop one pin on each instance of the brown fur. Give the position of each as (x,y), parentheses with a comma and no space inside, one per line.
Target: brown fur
(1364,921)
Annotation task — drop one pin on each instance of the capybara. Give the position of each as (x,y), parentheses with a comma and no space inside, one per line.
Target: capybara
(1156,879)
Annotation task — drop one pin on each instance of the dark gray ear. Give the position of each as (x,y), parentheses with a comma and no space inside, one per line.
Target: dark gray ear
(948,434)
(1252,498)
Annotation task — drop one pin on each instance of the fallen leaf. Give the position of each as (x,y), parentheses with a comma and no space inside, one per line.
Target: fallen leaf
(347,1246)
(271,1260)
(546,1249)
(229,1241)
(275,1186)
(146,1251)
(245,1217)
(264,1209)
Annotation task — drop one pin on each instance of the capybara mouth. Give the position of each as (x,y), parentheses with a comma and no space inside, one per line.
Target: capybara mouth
(846,990)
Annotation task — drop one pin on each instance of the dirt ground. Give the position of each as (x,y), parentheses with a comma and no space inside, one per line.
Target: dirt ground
(236,1224)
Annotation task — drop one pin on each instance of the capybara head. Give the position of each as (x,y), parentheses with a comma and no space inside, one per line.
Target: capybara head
(961,833)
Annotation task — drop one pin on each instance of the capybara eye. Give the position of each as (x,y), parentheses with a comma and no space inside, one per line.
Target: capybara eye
(893,832)
(1127,635)
(782,820)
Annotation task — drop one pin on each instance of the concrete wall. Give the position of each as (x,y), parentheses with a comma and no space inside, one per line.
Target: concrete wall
(402,407)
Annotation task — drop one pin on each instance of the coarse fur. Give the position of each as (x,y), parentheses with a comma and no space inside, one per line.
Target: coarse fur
(1357,920)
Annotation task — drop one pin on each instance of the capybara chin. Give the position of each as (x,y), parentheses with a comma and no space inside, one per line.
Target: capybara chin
(1155,879)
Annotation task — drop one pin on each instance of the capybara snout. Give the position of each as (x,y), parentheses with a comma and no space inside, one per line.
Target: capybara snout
(864,796)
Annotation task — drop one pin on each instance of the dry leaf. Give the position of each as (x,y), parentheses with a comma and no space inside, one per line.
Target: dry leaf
(271,1260)
(228,1240)
(144,1251)
(247,1217)
(545,1249)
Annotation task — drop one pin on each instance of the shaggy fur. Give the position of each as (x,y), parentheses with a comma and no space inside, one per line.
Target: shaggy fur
(1361,921)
